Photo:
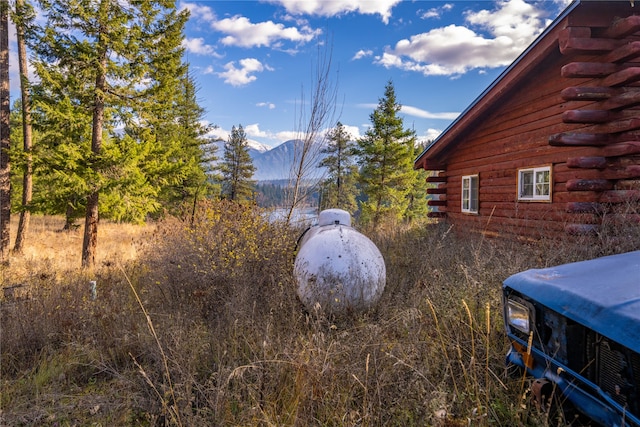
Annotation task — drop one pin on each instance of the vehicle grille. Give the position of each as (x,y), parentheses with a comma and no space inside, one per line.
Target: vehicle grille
(613,367)
(613,372)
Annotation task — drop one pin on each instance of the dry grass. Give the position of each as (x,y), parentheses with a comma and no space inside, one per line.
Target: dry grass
(49,247)
(200,326)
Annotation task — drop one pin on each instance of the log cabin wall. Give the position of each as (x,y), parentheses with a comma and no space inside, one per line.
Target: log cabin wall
(572,105)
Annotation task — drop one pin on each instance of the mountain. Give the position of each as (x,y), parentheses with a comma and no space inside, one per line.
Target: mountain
(271,163)
(258,146)
(274,164)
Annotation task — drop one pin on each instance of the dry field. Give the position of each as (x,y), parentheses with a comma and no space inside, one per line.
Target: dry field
(197,324)
(47,245)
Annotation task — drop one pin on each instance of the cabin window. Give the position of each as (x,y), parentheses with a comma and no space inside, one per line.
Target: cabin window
(534,183)
(470,193)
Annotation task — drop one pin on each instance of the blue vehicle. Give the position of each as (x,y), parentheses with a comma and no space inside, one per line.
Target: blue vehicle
(575,328)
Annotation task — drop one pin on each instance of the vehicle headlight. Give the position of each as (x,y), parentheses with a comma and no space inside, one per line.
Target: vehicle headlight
(518,316)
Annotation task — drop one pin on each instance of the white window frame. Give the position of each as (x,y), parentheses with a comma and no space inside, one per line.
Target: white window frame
(535,194)
(470,185)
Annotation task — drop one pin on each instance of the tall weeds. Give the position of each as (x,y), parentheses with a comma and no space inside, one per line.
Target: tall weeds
(205,329)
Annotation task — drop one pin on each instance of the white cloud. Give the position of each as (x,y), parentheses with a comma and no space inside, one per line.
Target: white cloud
(417,112)
(254,131)
(430,134)
(435,12)
(198,12)
(269,105)
(339,7)
(243,75)
(361,54)
(353,131)
(242,32)
(454,49)
(198,46)
(218,133)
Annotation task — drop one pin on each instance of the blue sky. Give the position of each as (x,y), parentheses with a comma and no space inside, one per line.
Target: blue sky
(253,60)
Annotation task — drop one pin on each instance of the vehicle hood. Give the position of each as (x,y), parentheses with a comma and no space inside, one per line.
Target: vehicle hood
(602,294)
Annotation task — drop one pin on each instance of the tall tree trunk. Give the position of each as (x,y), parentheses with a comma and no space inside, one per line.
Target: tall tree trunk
(90,241)
(5,111)
(27,179)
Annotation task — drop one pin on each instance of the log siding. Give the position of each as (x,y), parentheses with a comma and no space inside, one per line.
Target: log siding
(570,103)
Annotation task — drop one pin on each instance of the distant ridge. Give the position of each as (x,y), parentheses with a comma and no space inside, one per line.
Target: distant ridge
(271,164)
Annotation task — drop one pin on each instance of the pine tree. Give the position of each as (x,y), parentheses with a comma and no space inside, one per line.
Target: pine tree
(386,154)
(338,189)
(179,155)
(110,61)
(237,167)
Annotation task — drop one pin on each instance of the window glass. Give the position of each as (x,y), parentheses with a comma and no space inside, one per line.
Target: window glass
(470,186)
(526,184)
(542,183)
(534,183)
(473,195)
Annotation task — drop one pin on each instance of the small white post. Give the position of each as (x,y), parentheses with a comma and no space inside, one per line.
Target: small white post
(93,288)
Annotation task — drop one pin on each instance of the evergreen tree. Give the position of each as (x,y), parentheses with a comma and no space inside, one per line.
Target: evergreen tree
(237,167)
(179,153)
(418,200)
(386,153)
(109,61)
(338,189)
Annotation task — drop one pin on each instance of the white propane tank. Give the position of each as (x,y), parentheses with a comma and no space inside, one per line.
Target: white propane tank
(337,267)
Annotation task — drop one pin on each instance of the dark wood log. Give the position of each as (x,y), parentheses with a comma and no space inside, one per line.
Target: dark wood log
(431,165)
(436,202)
(583,93)
(585,207)
(630,136)
(581,229)
(599,17)
(436,179)
(570,32)
(437,190)
(588,69)
(627,98)
(622,77)
(624,219)
(560,176)
(623,53)
(620,196)
(579,139)
(632,171)
(622,149)
(587,116)
(587,45)
(436,215)
(587,162)
(623,27)
(589,185)
(628,184)
(617,126)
